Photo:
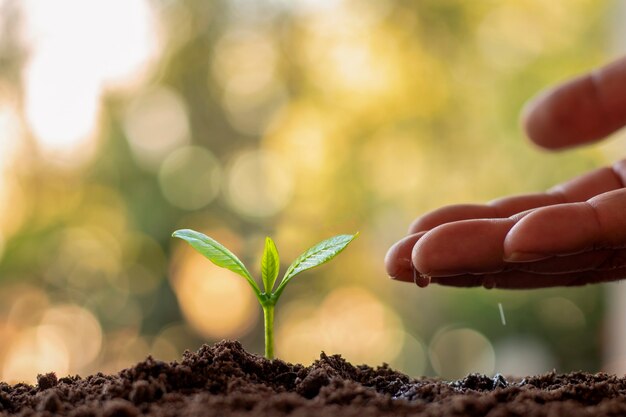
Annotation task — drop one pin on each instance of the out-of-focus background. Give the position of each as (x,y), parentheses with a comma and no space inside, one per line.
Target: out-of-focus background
(123,120)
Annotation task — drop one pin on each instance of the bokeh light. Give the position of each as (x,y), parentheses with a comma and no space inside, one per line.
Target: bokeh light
(523,355)
(413,359)
(80,331)
(350,321)
(125,347)
(216,302)
(41,337)
(259,183)
(66,73)
(26,306)
(109,56)
(63,119)
(86,258)
(457,352)
(190,178)
(393,163)
(172,341)
(561,312)
(245,65)
(156,124)
(35,351)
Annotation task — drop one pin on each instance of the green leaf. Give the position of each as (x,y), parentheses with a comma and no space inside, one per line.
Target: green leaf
(315,256)
(216,253)
(270,265)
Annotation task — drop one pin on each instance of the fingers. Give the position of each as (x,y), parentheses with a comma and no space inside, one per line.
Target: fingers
(590,267)
(486,245)
(461,247)
(580,188)
(398,259)
(592,183)
(541,238)
(445,245)
(500,208)
(569,228)
(530,234)
(585,109)
(561,229)
(596,260)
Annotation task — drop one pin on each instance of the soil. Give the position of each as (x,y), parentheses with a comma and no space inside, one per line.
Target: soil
(224,380)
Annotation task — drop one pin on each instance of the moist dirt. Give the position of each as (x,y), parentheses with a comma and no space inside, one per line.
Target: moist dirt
(224,380)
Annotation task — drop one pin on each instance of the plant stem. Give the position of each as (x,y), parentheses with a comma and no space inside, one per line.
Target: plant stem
(268,321)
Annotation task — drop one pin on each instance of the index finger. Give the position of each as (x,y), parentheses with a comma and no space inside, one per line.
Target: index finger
(585,109)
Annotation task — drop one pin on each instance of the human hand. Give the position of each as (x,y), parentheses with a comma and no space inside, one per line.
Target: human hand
(574,234)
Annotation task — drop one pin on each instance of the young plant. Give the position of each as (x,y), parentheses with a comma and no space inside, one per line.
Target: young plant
(270,265)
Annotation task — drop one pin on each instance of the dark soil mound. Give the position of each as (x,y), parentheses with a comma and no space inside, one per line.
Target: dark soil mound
(225,380)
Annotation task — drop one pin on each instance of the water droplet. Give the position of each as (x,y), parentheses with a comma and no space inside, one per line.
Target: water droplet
(420,280)
(502,318)
(489,282)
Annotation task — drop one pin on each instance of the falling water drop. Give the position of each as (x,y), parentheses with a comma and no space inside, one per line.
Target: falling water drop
(502,318)
(420,280)
(489,282)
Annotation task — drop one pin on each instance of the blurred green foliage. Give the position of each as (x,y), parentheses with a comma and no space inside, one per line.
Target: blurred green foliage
(315,118)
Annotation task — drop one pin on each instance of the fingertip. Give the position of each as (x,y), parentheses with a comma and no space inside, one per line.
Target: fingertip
(421,257)
(468,246)
(398,258)
(391,261)
(537,119)
(416,226)
(527,115)
(581,110)
(548,231)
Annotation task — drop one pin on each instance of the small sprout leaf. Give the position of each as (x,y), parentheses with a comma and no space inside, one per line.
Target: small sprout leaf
(216,253)
(317,255)
(270,265)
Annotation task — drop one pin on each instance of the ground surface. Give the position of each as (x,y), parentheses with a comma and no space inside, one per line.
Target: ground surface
(224,380)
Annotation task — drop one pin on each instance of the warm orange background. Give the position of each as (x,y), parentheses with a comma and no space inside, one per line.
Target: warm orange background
(123,120)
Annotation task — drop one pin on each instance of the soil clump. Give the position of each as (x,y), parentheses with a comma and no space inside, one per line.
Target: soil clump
(224,380)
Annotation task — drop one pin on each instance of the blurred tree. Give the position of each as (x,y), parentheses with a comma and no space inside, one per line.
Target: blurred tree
(300,120)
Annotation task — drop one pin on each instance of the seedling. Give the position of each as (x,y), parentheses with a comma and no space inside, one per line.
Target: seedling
(270,265)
